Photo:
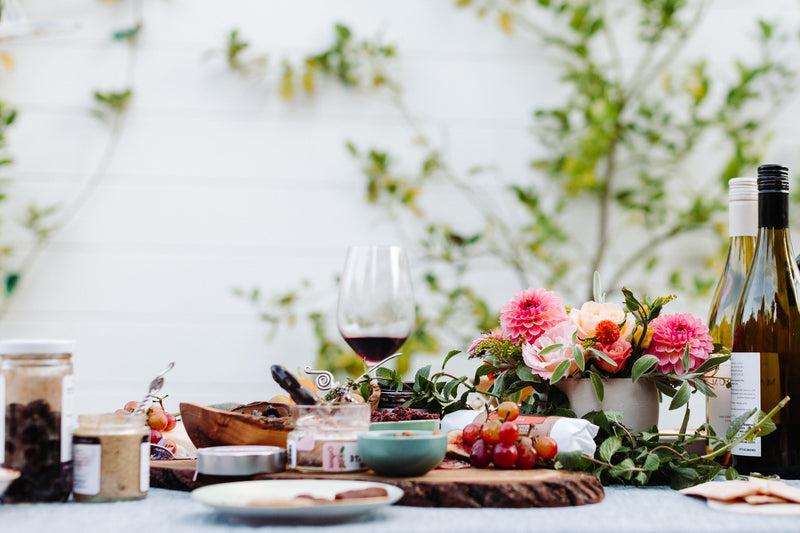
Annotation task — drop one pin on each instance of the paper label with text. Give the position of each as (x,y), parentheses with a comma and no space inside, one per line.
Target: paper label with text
(745,396)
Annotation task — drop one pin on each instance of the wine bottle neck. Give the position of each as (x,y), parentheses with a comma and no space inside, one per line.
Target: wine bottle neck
(742,218)
(773,209)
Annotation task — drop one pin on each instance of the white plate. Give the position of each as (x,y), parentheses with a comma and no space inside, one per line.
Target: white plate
(774,509)
(233,498)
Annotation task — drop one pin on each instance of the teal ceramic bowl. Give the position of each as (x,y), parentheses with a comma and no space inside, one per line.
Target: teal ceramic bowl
(402,453)
(406,425)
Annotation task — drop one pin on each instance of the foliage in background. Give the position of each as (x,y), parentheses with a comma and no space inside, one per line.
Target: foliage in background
(44,221)
(619,152)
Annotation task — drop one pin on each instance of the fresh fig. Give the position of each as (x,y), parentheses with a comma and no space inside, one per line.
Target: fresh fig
(456,446)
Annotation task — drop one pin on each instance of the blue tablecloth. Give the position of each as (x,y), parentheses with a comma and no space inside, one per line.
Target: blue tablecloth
(624,509)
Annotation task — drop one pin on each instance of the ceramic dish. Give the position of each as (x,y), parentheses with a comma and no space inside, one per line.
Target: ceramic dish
(406,425)
(402,453)
(241,499)
(6,477)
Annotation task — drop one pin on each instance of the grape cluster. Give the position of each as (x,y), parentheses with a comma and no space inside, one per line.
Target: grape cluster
(400,414)
(500,443)
(159,420)
(33,446)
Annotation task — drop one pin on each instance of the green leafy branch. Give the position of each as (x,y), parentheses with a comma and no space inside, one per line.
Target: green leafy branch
(645,458)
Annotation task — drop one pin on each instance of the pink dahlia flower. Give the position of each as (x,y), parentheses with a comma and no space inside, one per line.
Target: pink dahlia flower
(543,364)
(671,334)
(618,351)
(530,313)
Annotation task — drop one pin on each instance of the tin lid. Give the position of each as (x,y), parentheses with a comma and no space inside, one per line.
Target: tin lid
(240,460)
(16,347)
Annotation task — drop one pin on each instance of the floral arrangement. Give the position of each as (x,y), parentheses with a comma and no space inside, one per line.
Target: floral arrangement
(540,342)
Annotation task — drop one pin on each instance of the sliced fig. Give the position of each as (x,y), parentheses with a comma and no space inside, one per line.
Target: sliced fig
(456,445)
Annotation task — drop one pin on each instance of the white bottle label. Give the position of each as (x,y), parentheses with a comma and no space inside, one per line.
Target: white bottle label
(144,466)
(2,419)
(67,416)
(86,467)
(746,395)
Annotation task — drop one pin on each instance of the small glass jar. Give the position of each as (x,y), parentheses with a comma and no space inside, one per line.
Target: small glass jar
(112,458)
(325,437)
(36,405)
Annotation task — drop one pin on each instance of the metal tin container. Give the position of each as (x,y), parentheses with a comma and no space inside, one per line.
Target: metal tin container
(240,460)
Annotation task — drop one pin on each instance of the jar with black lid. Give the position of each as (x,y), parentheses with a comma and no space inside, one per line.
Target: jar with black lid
(36,405)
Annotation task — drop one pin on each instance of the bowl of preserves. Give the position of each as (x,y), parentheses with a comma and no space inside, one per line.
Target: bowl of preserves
(402,453)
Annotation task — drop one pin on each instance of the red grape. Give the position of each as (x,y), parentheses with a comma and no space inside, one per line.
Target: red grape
(155,436)
(491,432)
(171,422)
(546,447)
(470,434)
(481,454)
(526,455)
(157,419)
(508,411)
(508,433)
(505,455)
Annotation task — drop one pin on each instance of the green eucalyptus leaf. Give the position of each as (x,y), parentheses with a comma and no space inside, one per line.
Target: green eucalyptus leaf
(580,359)
(686,361)
(711,363)
(643,365)
(600,355)
(560,371)
(597,383)
(681,397)
(450,355)
(551,348)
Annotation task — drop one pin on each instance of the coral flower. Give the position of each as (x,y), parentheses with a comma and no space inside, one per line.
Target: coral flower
(671,334)
(543,364)
(618,351)
(530,313)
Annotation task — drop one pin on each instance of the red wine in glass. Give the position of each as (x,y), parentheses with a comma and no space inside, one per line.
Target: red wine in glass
(375,349)
(376,312)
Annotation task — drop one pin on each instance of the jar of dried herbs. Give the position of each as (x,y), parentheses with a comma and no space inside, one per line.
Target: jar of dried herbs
(112,458)
(36,418)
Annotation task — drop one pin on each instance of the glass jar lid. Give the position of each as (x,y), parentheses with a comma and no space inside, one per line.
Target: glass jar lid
(111,423)
(33,347)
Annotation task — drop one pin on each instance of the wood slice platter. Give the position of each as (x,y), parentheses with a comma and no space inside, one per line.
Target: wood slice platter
(470,487)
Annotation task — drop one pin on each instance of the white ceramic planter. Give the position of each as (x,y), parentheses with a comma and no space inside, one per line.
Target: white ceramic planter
(637,401)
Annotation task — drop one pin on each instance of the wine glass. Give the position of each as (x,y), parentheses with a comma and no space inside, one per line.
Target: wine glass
(376,311)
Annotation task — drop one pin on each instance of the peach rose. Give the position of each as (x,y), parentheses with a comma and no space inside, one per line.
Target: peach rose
(543,364)
(619,352)
(592,313)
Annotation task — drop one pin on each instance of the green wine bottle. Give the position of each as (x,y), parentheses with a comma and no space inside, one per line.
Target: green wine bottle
(742,228)
(765,364)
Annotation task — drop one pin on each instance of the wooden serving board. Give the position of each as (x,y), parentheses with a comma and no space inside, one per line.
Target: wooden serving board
(469,487)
